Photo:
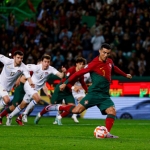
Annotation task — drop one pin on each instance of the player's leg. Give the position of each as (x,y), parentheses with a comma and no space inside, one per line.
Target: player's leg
(44,111)
(18,96)
(4,100)
(78,98)
(16,111)
(56,99)
(33,95)
(107,108)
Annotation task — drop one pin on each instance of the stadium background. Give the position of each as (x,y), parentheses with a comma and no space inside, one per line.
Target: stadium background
(64,29)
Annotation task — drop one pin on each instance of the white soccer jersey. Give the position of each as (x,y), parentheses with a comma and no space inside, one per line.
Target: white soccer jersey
(81,93)
(10,73)
(40,76)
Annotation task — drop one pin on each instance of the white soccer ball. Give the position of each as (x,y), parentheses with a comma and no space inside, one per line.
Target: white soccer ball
(100,132)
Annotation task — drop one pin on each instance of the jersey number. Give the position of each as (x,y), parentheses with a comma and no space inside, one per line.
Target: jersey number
(12,73)
(103,71)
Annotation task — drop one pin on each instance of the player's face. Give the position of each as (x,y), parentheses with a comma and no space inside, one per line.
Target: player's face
(104,54)
(45,64)
(18,60)
(80,66)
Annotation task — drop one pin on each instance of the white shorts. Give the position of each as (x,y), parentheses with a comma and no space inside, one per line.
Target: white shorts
(29,92)
(76,95)
(3,91)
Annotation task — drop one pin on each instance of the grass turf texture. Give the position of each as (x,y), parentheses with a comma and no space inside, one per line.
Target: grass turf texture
(134,135)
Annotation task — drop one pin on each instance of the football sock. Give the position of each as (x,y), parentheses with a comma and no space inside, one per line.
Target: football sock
(29,107)
(109,121)
(48,108)
(4,113)
(15,112)
(2,104)
(74,115)
(64,114)
(66,108)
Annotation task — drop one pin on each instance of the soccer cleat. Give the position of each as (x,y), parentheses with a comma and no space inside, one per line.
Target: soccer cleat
(0,120)
(58,120)
(19,122)
(8,122)
(111,136)
(55,122)
(24,118)
(37,118)
(74,117)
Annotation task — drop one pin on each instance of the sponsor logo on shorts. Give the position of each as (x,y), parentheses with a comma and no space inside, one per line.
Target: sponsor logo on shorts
(86,102)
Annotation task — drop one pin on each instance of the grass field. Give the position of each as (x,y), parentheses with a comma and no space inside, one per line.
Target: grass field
(133,135)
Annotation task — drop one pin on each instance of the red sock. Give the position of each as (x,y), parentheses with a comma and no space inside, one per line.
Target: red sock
(4,113)
(20,117)
(67,108)
(44,111)
(109,123)
(64,114)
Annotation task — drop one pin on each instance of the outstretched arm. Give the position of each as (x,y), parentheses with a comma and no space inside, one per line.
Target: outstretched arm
(117,70)
(74,77)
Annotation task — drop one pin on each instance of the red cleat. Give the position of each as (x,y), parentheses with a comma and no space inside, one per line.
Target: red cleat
(19,122)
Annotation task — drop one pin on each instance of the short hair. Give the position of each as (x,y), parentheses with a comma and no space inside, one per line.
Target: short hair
(105,45)
(45,56)
(18,53)
(80,60)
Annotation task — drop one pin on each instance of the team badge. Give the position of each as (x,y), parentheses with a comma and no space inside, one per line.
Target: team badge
(110,65)
(46,73)
(86,102)
(68,74)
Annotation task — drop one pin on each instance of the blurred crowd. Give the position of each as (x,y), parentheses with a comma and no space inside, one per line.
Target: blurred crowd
(59,30)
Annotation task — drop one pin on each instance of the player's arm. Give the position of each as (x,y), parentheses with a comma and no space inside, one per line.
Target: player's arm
(45,89)
(17,83)
(27,75)
(75,76)
(61,74)
(119,71)
(4,59)
(84,85)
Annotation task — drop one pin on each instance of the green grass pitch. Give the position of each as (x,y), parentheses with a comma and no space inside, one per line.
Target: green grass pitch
(133,135)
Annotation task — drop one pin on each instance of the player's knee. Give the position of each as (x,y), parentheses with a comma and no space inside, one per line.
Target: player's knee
(111,110)
(6,99)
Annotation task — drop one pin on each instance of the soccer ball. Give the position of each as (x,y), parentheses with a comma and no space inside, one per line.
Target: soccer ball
(100,132)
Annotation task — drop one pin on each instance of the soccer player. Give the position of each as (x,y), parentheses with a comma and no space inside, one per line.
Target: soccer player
(12,69)
(58,96)
(39,77)
(79,94)
(98,93)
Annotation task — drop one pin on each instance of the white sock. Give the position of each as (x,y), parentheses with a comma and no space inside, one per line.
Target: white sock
(15,112)
(74,115)
(2,104)
(29,107)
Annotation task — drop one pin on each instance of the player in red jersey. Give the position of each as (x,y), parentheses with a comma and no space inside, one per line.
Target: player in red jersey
(98,93)
(58,95)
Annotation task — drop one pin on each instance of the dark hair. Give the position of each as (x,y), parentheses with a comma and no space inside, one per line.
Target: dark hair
(45,56)
(80,60)
(18,53)
(105,45)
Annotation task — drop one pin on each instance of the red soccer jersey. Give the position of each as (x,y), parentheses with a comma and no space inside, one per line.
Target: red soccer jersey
(99,67)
